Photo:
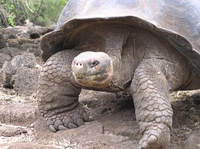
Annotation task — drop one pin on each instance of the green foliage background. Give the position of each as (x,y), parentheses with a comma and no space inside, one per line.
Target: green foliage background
(41,12)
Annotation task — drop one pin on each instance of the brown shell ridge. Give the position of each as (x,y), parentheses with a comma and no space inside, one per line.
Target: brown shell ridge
(53,42)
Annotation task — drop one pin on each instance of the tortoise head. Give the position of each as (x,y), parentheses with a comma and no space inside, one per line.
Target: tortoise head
(92,69)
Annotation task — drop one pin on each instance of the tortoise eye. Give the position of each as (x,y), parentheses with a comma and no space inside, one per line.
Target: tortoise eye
(94,63)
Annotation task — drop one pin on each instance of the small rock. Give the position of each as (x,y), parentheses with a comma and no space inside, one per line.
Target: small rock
(4,58)
(11,130)
(193,141)
(25,60)
(25,80)
(21,74)
(2,41)
(18,113)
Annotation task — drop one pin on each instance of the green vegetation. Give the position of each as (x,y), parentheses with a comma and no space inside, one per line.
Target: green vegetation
(41,12)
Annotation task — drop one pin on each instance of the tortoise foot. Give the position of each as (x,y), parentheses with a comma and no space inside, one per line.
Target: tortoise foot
(156,137)
(69,120)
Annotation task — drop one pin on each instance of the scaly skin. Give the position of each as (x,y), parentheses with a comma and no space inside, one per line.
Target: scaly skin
(149,89)
(58,93)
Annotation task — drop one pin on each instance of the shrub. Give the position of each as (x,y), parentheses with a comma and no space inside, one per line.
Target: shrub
(42,12)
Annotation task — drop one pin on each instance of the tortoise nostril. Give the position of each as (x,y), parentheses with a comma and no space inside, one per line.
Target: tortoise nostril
(78,64)
(94,63)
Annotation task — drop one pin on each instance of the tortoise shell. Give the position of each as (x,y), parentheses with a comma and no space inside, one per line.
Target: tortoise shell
(176,20)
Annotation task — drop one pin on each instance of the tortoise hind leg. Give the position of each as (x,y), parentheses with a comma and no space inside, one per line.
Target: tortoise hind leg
(58,93)
(153,110)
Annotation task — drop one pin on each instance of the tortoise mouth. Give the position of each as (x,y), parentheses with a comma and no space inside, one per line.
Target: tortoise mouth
(92,69)
(96,77)
(93,80)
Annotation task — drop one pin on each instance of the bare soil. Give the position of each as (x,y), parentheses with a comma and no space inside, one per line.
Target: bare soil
(112,126)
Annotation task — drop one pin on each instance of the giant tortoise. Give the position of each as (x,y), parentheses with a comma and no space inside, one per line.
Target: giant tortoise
(149,48)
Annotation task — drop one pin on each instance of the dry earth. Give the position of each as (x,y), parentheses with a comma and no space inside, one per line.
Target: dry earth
(113,124)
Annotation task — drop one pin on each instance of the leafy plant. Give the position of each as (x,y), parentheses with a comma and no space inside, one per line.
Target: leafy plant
(11,20)
(39,12)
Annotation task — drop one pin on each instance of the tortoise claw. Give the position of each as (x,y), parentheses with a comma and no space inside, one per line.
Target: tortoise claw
(157,136)
(69,120)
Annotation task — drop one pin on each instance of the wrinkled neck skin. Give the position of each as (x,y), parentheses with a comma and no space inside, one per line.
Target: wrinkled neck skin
(141,45)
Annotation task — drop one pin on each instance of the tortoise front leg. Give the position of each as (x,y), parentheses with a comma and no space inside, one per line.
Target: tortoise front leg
(58,93)
(153,110)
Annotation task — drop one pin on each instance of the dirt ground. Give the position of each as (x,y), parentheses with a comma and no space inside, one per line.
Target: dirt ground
(112,126)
